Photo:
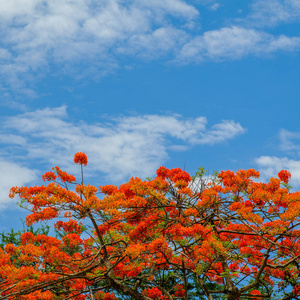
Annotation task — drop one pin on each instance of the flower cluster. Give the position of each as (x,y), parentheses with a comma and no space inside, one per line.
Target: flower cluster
(284,176)
(80,158)
(137,239)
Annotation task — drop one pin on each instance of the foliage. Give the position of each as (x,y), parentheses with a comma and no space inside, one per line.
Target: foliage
(171,237)
(14,237)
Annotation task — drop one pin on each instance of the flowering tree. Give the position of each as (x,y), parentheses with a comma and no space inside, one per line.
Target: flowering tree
(171,237)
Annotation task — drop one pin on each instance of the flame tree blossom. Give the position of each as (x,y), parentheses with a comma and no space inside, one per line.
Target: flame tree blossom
(171,237)
(80,158)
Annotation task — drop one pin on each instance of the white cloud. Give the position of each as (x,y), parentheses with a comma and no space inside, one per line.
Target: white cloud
(273,12)
(287,140)
(119,148)
(271,165)
(36,34)
(234,43)
(174,7)
(215,6)
(221,132)
(13,174)
(81,38)
(154,44)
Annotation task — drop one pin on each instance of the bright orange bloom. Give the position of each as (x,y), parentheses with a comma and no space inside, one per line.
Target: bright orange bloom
(48,176)
(151,239)
(284,176)
(80,158)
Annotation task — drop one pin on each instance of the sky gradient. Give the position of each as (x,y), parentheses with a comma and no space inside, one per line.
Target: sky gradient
(139,84)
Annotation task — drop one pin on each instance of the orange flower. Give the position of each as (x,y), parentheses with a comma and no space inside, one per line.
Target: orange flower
(284,176)
(80,158)
(48,176)
(162,172)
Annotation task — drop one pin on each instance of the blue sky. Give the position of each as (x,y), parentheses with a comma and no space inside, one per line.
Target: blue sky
(139,84)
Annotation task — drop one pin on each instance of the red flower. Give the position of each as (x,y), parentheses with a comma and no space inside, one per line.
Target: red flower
(49,176)
(162,172)
(80,158)
(284,176)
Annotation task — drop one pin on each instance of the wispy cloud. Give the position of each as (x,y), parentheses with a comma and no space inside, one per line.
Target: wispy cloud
(37,34)
(287,140)
(13,174)
(234,43)
(273,12)
(271,165)
(215,6)
(90,38)
(118,148)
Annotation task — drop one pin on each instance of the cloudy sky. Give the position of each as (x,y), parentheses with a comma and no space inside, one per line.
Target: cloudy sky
(139,84)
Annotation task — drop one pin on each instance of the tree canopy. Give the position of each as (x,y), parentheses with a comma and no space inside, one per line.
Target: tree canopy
(172,237)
